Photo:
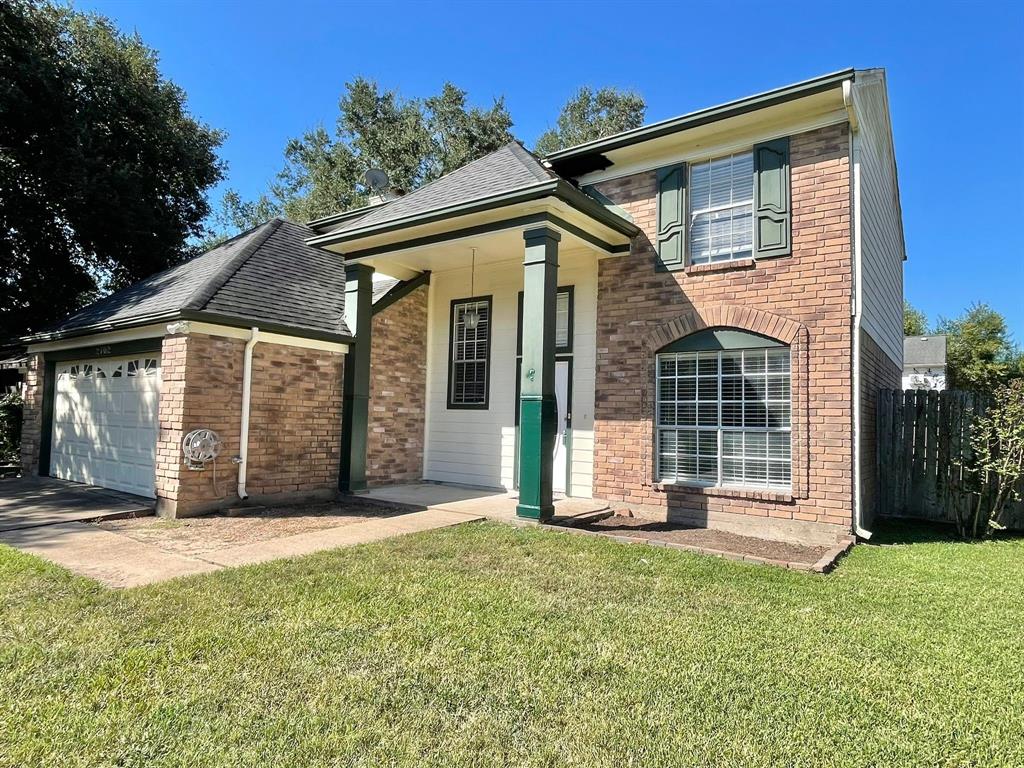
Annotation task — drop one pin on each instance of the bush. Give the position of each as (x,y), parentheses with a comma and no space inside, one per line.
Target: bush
(996,469)
(11,413)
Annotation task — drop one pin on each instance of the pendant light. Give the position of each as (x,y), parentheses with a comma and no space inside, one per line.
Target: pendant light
(471,317)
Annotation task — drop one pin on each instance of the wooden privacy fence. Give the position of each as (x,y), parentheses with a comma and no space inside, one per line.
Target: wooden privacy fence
(922,437)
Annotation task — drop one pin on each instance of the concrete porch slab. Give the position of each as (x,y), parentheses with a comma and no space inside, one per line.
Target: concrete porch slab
(29,502)
(493,504)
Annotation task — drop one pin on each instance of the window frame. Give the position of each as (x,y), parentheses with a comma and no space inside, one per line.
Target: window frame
(565,290)
(455,303)
(681,347)
(688,213)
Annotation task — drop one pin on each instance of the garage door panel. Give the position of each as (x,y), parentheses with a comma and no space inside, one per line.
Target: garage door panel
(105,423)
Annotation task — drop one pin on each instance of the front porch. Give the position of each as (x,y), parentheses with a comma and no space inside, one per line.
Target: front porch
(493,504)
(510,330)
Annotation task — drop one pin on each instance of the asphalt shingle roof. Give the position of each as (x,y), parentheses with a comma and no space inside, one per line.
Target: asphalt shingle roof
(265,275)
(508,169)
(924,350)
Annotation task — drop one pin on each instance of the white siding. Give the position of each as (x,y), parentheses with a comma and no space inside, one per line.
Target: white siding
(477,447)
(881,226)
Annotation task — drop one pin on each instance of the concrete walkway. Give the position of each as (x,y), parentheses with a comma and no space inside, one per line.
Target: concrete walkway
(116,560)
(27,502)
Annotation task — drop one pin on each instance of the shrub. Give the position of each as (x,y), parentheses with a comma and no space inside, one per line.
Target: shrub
(996,469)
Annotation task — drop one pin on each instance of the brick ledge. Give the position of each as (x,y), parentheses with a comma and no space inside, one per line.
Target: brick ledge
(731,493)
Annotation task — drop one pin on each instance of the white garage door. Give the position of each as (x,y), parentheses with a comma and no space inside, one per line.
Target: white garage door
(105,423)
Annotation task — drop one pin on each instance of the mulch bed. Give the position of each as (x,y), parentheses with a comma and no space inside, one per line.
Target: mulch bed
(707,540)
(222,530)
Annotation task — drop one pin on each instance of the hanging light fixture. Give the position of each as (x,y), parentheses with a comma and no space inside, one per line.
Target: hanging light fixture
(471,317)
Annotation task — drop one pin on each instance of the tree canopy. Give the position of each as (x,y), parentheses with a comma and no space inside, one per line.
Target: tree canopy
(590,115)
(915,322)
(103,171)
(413,140)
(980,352)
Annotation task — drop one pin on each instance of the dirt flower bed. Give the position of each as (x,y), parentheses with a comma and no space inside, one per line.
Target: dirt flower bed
(706,538)
(209,533)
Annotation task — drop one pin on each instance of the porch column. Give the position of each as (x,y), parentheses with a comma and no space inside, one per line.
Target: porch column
(538,412)
(356,383)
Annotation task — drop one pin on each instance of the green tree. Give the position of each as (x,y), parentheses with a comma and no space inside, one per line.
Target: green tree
(414,140)
(915,322)
(980,353)
(103,172)
(590,115)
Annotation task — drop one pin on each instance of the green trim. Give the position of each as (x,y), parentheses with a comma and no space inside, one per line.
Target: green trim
(712,339)
(485,405)
(570,291)
(400,291)
(355,412)
(337,218)
(607,202)
(46,436)
(772,199)
(704,116)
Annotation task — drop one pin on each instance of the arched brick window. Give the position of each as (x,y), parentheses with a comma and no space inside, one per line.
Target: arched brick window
(723,411)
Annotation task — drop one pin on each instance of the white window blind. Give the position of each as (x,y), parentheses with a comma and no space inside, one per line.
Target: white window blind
(721,209)
(723,418)
(470,350)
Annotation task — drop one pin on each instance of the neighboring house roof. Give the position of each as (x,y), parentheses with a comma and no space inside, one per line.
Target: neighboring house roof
(266,277)
(924,351)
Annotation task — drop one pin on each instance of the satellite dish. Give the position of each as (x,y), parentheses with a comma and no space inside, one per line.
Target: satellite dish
(377,180)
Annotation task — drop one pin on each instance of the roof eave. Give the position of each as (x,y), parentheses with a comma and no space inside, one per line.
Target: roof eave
(703,116)
(555,188)
(197,315)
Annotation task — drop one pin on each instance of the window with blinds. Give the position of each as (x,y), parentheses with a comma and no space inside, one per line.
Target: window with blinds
(723,418)
(721,195)
(469,364)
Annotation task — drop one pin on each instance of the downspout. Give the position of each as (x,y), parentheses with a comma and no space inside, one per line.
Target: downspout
(857,308)
(243,440)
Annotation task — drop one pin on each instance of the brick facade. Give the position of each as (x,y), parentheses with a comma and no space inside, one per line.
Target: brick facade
(802,299)
(877,371)
(32,421)
(295,421)
(398,382)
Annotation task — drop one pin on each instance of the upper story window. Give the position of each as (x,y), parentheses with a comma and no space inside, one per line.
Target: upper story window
(469,363)
(721,216)
(723,411)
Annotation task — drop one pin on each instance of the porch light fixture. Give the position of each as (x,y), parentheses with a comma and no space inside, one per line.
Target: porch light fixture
(472,316)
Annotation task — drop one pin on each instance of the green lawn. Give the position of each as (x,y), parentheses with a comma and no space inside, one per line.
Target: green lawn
(488,645)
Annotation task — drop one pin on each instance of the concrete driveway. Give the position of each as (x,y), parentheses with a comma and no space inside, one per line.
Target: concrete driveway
(30,502)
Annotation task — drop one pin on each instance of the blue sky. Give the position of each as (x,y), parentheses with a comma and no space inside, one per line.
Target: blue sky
(267,71)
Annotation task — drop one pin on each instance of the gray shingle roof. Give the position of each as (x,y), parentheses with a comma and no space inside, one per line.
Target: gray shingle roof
(924,350)
(382,287)
(508,169)
(266,276)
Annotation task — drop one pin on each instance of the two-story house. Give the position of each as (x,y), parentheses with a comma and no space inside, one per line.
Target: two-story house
(688,320)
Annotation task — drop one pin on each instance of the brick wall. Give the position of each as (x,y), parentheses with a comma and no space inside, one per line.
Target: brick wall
(294,424)
(398,380)
(877,371)
(32,423)
(804,299)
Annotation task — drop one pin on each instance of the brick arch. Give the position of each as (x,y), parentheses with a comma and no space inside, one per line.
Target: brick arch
(730,316)
(783,329)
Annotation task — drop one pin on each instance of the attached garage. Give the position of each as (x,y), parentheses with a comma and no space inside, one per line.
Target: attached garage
(104,422)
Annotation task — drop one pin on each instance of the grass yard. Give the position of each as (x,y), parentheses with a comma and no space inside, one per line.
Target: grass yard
(488,645)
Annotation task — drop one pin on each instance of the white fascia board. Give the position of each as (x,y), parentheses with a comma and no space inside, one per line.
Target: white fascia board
(227,331)
(155,331)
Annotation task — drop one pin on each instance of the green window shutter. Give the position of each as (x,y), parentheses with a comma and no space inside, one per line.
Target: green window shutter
(772,209)
(671,236)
